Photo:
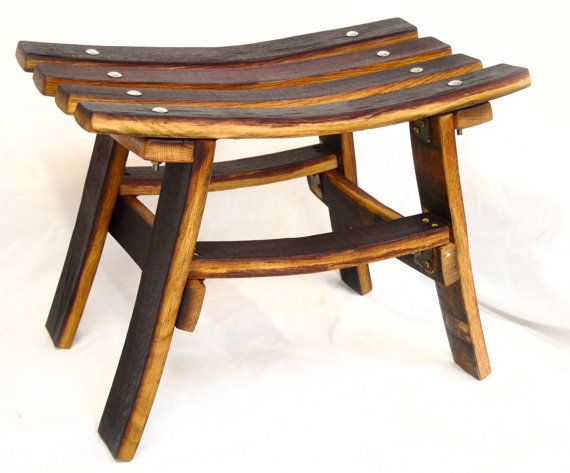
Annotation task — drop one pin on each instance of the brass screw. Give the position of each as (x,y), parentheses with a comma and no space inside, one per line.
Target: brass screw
(416,130)
(425,220)
(427,265)
(421,124)
(434,225)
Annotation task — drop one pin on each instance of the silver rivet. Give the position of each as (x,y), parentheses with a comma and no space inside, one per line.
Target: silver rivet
(417,70)
(92,52)
(160,110)
(383,53)
(114,74)
(454,83)
(134,93)
(352,33)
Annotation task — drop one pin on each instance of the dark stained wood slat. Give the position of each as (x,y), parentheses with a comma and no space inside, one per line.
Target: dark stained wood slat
(439,186)
(30,53)
(316,253)
(47,77)
(339,117)
(358,277)
(285,256)
(87,240)
(243,172)
(69,95)
(170,248)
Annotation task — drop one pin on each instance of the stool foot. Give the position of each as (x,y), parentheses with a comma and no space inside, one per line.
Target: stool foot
(357,277)
(163,279)
(99,195)
(191,305)
(439,186)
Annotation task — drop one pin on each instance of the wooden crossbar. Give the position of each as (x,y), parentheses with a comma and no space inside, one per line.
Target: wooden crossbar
(131,227)
(243,172)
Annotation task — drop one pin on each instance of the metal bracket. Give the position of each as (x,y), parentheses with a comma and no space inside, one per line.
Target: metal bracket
(420,129)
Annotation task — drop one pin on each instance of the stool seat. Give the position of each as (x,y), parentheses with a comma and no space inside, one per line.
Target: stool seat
(298,86)
(171,105)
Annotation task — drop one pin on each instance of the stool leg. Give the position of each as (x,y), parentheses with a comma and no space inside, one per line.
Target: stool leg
(357,277)
(99,195)
(437,175)
(173,239)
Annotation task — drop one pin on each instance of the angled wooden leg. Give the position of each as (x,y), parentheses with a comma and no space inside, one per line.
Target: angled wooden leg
(166,266)
(439,187)
(357,277)
(99,195)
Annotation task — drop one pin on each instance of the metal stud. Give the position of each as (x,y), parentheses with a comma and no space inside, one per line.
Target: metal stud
(92,52)
(352,33)
(454,83)
(383,53)
(114,74)
(417,70)
(434,225)
(160,110)
(425,220)
(134,93)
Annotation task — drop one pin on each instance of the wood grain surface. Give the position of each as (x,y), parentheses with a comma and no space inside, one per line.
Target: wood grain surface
(358,277)
(324,43)
(87,240)
(439,186)
(69,95)
(244,172)
(339,117)
(47,77)
(171,247)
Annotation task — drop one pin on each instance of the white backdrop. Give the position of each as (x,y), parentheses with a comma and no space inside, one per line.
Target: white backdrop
(297,373)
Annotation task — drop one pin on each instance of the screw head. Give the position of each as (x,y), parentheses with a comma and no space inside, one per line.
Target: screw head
(383,53)
(425,220)
(454,83)
(114,74)
(351,33)
(434,225)
(92,52)
(417,70)
(134,93)
(160,110)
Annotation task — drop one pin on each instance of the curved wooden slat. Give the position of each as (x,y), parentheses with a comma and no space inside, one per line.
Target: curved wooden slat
(131,226)
(31,53)
(243,172)
(340,117)
(325,252)
(68,96)
(47,77)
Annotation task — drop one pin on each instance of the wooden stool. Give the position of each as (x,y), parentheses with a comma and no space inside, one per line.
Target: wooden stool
(170,105)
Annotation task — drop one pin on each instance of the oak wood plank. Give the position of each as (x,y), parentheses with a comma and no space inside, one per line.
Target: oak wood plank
(191,305)
(285,256)
(87,240)
(170,251)
(324,43)
(243,172)
(473,116)
(356,277)
(354,206)
(439,186)
(48,77)
(157,149)
(69,95)
(340,117)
